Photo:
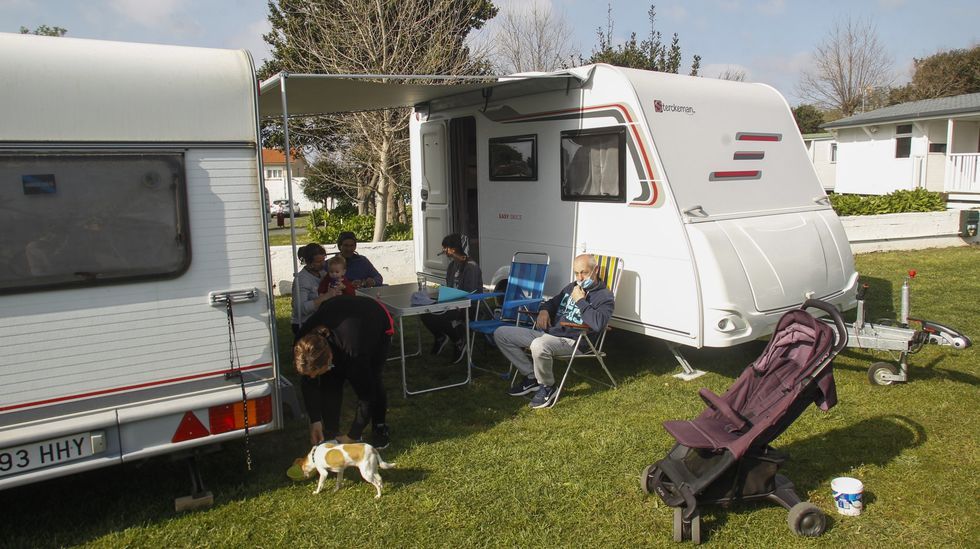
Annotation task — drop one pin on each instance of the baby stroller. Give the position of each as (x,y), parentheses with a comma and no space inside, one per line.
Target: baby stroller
(723,456)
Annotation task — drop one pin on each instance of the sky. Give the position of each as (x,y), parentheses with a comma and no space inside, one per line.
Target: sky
(771,40)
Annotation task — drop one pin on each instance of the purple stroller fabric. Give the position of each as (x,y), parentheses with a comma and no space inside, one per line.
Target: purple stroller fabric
(792,372)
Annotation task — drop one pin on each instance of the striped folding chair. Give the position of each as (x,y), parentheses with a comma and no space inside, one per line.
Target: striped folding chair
(610,271)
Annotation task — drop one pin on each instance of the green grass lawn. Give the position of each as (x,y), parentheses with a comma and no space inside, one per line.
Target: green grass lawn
(478,468)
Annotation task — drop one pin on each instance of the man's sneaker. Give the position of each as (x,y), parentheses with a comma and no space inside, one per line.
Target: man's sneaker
(526,387)
(544,397)
(439,344)
(459,352)
(380,437)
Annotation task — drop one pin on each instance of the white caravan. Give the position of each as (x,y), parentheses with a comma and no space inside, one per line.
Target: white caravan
(702,186)
(131,213)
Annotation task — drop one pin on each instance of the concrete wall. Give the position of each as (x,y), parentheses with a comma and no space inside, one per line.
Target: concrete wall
(394,260)
(906,231)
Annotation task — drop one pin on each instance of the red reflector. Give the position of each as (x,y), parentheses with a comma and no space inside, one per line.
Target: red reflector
(190,428)
(231,417)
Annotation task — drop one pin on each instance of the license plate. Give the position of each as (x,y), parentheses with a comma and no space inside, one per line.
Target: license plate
(46,453)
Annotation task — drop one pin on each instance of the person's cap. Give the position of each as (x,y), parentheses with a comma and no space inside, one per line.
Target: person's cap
(346,235)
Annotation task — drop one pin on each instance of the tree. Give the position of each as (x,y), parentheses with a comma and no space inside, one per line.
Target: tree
(846,65)
(808,118)
(371,37)
(943,74)
(650,54)
(44,30)
(531,38)
(733,74)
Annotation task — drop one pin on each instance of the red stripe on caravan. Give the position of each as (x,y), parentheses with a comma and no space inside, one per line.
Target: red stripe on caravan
(127,388)
(747,136)
(746,174)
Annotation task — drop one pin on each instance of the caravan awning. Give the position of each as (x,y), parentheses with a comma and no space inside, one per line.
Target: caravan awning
(313,94)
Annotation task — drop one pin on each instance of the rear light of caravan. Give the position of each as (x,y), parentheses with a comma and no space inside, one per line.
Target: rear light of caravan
(231,417)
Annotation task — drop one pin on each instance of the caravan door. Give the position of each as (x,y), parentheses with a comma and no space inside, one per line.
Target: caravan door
(434,194)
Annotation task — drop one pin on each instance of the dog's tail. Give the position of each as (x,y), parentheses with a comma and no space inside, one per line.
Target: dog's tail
(385,465)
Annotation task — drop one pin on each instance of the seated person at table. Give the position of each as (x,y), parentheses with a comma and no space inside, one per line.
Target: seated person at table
(360,271)
(335,282)
(463,274)
(305,297)
(584,301)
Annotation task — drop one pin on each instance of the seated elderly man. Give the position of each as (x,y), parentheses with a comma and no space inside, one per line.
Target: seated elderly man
(586,300)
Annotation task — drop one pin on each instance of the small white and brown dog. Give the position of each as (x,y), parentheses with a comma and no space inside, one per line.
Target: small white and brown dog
(332,457)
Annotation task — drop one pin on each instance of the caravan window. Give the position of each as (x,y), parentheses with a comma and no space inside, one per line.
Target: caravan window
(593,164)
(76,219)
(514,158)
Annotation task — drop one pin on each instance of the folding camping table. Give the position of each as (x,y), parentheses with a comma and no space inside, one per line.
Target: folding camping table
(398,299)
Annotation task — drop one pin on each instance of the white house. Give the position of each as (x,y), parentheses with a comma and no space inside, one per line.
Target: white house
(822,150)
(274,175)
(933,143)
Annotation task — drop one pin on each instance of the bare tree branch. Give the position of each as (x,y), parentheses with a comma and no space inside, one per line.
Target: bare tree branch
(850,62)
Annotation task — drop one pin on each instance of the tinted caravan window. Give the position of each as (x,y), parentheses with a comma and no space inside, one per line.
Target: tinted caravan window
(76,219)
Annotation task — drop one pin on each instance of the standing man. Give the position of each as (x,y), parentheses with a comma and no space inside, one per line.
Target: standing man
(586,300)
(346,339)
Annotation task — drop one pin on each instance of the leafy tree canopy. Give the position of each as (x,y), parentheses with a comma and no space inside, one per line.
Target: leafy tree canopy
(943,74)
(44,30)
(650,54)
(808,118)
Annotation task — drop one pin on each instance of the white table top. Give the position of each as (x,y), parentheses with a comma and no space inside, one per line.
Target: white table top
(398,299)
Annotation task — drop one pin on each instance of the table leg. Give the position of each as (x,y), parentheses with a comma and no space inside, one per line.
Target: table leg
(401,347)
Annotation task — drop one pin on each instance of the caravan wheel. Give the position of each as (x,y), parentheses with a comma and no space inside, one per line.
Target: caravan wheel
(878,371)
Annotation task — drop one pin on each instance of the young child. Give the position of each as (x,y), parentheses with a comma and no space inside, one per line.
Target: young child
(336,279)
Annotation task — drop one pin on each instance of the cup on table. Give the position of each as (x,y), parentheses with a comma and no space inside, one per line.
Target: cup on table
(421,282)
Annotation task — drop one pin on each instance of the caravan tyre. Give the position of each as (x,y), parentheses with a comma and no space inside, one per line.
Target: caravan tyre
(878,371)
(806,519)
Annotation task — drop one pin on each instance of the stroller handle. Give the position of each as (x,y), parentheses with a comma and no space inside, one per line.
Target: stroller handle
(835,315)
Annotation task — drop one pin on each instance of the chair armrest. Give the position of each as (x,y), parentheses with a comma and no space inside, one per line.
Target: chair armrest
(522,302)
(722,407)
(576,326)
(485,295)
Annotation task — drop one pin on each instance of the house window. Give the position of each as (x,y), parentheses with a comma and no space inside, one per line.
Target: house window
(903,140)
(85,219)
(514,158)
(833,152)
(593,165)
(937,148)
(273,173)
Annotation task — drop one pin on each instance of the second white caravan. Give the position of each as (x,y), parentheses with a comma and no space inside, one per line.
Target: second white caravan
(702,186)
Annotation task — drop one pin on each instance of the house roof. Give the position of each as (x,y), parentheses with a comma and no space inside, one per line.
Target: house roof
(914,110)
(817,136)
(272,156)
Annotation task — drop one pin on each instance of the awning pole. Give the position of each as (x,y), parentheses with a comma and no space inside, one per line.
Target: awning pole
(289,172)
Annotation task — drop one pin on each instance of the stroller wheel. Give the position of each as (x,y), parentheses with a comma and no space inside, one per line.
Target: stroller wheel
(687,530)
(806,519)
(645,478)
(878,371)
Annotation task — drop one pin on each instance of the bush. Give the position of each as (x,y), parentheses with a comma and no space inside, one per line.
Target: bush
(919,200)
(361,225)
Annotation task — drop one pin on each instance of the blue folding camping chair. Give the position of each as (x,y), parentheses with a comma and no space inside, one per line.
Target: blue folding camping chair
(521,297)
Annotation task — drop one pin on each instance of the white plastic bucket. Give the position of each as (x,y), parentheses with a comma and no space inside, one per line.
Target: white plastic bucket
(847,495)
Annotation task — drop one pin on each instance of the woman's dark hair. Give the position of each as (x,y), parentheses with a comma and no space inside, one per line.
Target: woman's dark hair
(346,235)
(308,252)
